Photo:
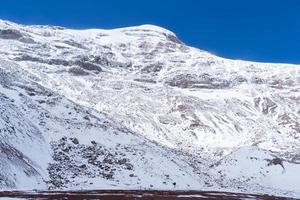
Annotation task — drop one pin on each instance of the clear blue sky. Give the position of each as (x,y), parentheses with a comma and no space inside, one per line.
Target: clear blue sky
(260,30)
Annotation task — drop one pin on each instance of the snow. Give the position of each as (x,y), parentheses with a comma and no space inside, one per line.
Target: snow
(254,166)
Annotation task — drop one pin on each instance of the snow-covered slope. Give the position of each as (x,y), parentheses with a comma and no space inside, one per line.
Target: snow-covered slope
(137,108)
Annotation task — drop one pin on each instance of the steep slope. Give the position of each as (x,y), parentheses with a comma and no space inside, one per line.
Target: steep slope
(136,108)
(50,142)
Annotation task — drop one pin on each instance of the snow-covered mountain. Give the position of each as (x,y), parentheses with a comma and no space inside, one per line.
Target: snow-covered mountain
(135,108)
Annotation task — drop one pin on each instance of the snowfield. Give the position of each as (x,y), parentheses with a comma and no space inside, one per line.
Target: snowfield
(135,108)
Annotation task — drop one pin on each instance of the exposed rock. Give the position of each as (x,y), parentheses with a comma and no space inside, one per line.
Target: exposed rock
(10,34)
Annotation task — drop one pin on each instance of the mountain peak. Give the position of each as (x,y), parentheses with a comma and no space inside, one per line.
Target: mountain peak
(151,27)
(151,30)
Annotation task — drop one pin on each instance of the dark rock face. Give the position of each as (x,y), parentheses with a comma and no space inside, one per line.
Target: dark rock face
(268,106)
(205,81)
(80,66)
(26,57)
(153,68)
(276,161)
(74,44)
(103,60)
(144,80)
(88,65)
(107,59)
(10,34)
(5,78)
(77,71)
(30,58)
(174,39)
(36,90)
(58,62)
